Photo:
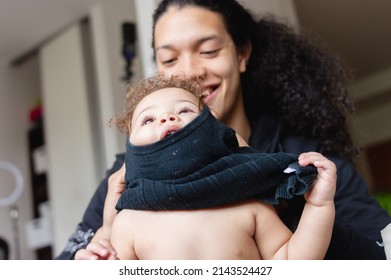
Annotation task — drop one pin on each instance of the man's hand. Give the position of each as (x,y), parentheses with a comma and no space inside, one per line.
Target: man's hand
(101,250)
(100,247)
(116,187)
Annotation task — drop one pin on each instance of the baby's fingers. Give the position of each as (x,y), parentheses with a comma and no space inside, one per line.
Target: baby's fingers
(318,160)
(309,158)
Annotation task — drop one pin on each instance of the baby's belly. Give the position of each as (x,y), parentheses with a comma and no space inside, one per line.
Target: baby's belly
(196,235)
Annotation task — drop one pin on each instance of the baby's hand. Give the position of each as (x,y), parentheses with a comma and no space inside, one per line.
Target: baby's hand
(323,188)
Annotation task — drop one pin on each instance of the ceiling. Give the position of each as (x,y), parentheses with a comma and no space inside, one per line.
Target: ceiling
(24,24)
(360,31)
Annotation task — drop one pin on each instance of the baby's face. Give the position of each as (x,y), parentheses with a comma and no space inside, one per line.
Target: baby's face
(161,114)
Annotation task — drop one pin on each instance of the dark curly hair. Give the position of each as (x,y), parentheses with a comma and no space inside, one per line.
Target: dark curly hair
(303,84)
(288,76)
(147,86)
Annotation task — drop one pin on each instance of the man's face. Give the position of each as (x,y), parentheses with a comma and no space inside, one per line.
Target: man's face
(194,42)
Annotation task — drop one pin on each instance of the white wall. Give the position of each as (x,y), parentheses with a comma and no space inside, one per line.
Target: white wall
(106,21)
(72,174)
(144,11)
(19,88)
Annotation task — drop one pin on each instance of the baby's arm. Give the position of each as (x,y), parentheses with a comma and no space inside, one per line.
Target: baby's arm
(121,236)
(313,234)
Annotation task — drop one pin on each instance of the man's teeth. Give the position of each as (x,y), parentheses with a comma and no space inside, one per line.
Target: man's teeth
(207,91)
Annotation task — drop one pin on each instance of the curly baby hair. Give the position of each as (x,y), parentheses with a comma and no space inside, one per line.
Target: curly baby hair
(147,86)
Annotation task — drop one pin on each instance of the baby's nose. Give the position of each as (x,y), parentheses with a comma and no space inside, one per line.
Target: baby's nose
(168,117)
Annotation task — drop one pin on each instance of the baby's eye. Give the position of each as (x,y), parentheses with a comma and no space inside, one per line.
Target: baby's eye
(147,120)
(185,110)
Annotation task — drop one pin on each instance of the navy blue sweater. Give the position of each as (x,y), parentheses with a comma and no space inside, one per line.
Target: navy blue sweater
(202,166)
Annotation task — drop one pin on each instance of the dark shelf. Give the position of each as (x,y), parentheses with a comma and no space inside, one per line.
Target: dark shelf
(39,182)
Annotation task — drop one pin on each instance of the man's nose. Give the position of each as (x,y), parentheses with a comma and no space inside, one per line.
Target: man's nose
(168,117)
(192,68)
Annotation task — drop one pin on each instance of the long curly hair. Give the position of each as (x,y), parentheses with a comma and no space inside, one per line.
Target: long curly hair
(147,86)
(303,84)
(288,76)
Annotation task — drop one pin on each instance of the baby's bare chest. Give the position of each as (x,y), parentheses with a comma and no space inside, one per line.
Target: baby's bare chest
(200,234)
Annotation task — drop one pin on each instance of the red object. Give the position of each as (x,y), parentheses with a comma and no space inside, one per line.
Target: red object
(36,113)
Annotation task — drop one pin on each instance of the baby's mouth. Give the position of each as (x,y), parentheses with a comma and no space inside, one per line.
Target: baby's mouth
(169,132)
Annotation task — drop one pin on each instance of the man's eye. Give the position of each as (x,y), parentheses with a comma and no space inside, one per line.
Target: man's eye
(210,53)
(168,61)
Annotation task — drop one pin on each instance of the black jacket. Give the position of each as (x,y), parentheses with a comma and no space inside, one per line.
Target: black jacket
(358,222)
